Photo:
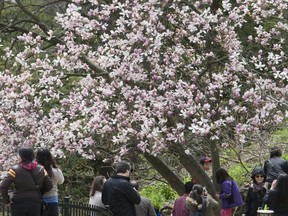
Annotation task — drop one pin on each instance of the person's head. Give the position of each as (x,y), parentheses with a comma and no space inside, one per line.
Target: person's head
(123,168)
(282,190)
(44,157)
(135,184)
(97,184)
(197,193)
(275,151)
(188,187)
(258,176)
(205,162)
(222,175)
(26,155)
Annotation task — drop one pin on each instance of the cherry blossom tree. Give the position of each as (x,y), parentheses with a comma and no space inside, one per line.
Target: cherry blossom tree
(149,77)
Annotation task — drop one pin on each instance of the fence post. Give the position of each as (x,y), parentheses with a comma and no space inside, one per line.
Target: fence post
(66,211)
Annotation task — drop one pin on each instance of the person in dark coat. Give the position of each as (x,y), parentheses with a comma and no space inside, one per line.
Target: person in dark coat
(276,165)
(118,192)
(26,199)
(145,208)
(256,192)
(277,198)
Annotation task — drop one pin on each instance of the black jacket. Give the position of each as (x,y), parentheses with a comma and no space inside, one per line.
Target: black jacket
(271,172)
(120,196)
(280,209)
(24,184)
(253,201)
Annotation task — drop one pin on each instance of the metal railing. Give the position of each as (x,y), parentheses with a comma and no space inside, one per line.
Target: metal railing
(68,208)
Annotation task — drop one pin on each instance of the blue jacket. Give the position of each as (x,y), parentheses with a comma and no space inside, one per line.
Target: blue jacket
(229,187)
(120,196)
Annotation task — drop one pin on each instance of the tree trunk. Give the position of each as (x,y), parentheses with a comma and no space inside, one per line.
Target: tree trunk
(166,173)
(215,163)
(196,171)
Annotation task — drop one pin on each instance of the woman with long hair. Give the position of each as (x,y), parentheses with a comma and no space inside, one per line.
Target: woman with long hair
(277,198)
(229,194)
(27,179)
(199,202)
(96,191)
(44,157)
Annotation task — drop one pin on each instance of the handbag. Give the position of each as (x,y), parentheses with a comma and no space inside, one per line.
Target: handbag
(44,205)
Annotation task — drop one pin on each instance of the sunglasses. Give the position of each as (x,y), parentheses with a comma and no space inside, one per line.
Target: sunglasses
(259,176)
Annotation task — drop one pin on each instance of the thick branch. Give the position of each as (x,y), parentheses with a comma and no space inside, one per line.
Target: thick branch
(94,67)
(35,18)
(166,173)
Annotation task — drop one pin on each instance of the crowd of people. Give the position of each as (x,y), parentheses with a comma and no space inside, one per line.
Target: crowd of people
(268,189)
(36,178)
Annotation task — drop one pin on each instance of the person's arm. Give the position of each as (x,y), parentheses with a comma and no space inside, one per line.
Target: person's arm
(226,189)
(47,182)
(104,197)
(265,167)
(5,185)
(248,201)
(174,206)
(286,167)
(131,193)
(59,176)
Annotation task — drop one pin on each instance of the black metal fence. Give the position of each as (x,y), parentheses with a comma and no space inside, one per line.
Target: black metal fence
(68,208)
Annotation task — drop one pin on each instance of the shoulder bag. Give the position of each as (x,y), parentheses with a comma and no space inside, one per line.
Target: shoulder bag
(276,168)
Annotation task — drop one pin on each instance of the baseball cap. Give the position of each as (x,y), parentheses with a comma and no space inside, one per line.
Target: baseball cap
(204,159)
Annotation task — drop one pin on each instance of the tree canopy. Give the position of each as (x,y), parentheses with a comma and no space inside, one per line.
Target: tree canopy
(107,78)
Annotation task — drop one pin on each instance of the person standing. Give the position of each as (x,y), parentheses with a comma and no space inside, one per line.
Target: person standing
(179,208)
(256,192)
(277,197)
(96,191)
(44,157)
(145,208)
(199,202)
(276,165)
(230,194)
(118,192)
(26,199)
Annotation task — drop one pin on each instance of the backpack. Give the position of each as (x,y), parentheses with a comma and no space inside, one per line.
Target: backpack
(200,212)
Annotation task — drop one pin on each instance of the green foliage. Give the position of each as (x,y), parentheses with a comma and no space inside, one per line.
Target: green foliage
(280,135)
(160,194)
(238,173)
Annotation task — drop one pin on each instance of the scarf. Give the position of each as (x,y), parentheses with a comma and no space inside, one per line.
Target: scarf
(257,187)
(29,166)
